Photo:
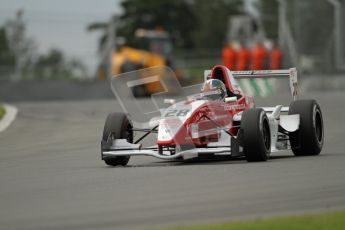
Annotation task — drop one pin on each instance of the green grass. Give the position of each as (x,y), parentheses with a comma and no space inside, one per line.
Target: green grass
(2,112)
(332,220)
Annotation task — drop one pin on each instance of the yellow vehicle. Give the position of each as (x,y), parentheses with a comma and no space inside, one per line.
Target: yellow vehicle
(149,48)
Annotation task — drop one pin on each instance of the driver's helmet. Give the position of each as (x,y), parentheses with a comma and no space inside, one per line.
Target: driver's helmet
(213,89)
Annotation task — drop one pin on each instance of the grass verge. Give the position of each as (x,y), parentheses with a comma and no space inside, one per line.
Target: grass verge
(2,111)
(332,220)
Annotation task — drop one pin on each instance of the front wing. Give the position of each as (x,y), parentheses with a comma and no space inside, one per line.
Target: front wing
(128,149)
(186,154)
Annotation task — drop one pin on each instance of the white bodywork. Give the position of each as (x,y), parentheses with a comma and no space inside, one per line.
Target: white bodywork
(169,125)
(289,123)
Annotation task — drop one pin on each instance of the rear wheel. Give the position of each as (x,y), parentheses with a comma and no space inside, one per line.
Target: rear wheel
(256,137)
(308,139)
(117,126)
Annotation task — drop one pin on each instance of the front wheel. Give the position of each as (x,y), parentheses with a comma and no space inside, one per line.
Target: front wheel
(117,126)
(307,140)
(256,136)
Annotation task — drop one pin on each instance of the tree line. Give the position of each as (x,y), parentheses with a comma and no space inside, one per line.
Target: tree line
(19,59)
(191,23)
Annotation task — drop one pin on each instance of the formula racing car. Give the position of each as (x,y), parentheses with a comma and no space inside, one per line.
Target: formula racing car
(219,120)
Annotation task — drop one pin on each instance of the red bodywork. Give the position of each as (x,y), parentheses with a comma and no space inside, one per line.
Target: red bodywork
(207,115)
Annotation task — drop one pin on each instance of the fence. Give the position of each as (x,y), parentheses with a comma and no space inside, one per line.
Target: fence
(312,33)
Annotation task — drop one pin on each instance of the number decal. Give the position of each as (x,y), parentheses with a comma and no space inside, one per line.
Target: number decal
(178,113)
(182,112)
(171,113)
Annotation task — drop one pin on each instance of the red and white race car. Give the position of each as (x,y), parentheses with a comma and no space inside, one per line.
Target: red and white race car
(220,120)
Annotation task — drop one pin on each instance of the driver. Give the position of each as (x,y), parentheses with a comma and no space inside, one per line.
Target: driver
(213,89)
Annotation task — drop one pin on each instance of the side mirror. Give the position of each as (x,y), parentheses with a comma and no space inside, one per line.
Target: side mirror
(230,99)
(170,101)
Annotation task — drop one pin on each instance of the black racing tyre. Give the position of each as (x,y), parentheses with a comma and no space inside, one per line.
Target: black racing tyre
(117,126)
(256,135)
(308,139)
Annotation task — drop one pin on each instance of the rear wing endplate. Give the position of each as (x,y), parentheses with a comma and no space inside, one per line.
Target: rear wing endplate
(291,73)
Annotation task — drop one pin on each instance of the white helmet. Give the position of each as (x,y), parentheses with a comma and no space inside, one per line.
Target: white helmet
(213,89)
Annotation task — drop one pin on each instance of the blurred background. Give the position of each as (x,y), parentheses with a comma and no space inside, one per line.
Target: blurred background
(91,41)
(56,62)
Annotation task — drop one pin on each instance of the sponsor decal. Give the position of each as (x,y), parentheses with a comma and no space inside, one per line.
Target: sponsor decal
(235,107)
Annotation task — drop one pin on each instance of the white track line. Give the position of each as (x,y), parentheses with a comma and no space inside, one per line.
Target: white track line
(10,115)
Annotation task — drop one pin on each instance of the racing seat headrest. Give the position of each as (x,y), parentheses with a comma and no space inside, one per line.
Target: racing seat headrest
(221,73)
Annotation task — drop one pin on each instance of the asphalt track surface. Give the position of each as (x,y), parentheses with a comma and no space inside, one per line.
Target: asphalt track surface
(51,176)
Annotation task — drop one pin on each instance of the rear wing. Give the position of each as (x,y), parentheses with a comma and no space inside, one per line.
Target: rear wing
(291,73)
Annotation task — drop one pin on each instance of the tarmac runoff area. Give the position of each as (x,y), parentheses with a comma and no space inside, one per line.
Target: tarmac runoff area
(52,177)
